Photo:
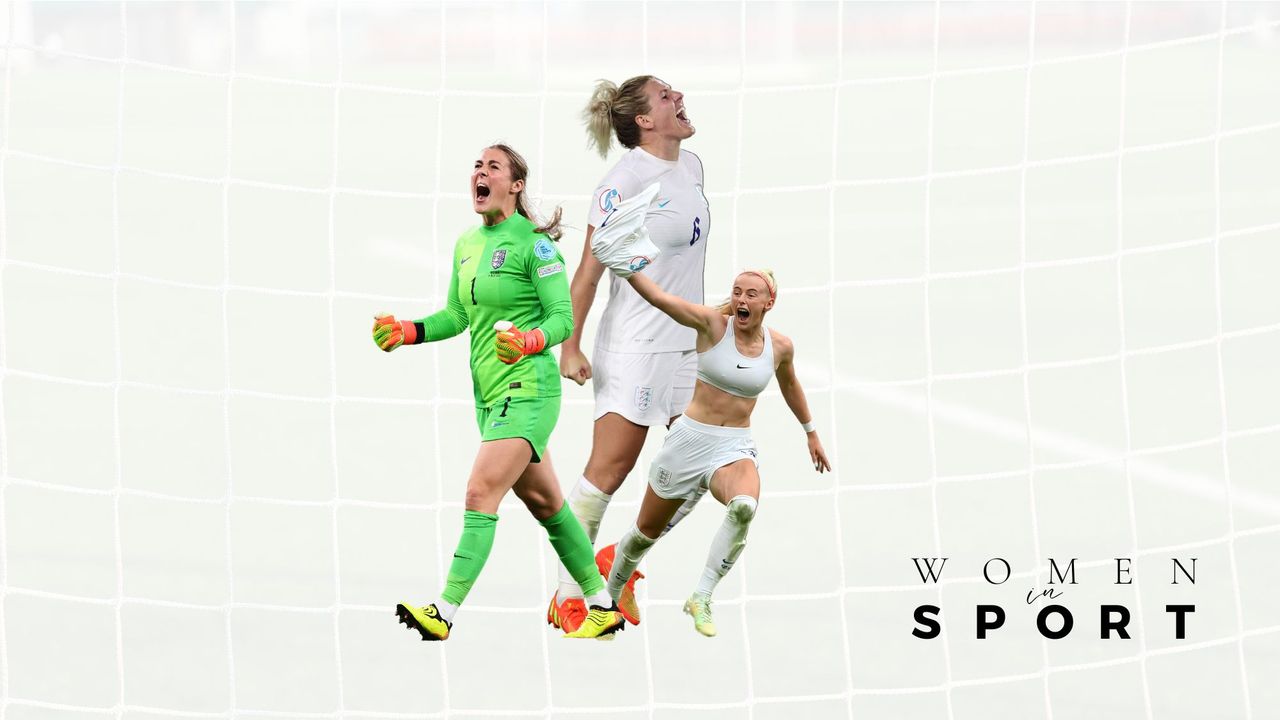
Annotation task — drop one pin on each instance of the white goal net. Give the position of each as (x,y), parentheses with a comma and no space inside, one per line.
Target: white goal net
(1028,253)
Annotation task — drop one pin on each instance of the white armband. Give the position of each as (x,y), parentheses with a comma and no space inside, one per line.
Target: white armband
(808,427)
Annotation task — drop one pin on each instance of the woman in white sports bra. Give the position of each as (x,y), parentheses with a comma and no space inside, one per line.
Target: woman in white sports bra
(710,446)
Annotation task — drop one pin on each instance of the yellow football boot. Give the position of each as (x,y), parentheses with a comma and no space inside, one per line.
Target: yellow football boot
(426,620)
(600,623)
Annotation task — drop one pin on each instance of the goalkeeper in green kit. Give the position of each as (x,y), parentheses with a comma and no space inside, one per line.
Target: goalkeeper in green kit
(509,288)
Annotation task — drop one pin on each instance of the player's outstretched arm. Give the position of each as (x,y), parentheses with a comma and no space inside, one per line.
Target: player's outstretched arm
(796,400)
(698,317)
(390,333)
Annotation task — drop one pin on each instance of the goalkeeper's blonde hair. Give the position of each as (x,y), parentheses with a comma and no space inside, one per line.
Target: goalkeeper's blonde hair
(520,171)
(613,108)
(726,307)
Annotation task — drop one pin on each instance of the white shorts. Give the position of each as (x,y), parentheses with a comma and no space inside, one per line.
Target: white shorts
(645,388)
(692,453)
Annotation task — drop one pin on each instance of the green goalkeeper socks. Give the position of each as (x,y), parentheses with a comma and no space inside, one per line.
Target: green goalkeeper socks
(567,537)
(473,550)
(574,548)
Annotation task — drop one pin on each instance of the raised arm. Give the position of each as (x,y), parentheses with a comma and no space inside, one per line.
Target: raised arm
(623,246)
(698,317)
(795,398)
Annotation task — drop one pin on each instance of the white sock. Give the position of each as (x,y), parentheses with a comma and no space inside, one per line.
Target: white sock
(684,510)
(588,503)
(631,549)
(447,609)
(728,543)
(600,599)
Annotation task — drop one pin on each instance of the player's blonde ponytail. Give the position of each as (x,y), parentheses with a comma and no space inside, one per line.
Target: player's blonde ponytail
(614,108)
(520,171)
(726,307)
(596,116)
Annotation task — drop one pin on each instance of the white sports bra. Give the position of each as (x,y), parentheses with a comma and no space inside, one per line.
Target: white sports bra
(725,368)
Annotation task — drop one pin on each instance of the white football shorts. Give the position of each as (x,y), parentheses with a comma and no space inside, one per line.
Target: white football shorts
(645,388)
(692,453)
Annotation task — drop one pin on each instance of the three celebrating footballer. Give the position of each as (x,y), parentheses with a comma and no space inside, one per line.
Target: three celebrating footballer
(662,357)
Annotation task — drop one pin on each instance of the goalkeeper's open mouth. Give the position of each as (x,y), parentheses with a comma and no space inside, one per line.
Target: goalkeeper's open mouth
(480,192)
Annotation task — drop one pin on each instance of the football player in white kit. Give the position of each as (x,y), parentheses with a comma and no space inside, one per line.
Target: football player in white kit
(710,445)
(644,362)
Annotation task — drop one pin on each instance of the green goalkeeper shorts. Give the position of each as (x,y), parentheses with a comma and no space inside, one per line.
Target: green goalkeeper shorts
(530,418)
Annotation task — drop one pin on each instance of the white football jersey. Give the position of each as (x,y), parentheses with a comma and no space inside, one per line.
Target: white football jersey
(679,222)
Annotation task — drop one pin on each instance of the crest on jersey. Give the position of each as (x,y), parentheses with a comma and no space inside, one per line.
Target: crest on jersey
(499,257)
(543,249)
(664,477)
(638,263)
(644,397)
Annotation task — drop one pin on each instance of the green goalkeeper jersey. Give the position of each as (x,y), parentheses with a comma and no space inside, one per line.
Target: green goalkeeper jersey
(506,272)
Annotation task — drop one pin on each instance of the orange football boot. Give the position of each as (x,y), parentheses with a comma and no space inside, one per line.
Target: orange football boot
(627,604)
(567,615)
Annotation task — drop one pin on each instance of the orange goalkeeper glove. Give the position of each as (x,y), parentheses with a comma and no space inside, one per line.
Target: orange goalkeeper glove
(390,333)
(512,344)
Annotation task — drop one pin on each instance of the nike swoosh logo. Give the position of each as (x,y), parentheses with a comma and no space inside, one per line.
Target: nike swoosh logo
(744,367)
(664,202)
(463,261)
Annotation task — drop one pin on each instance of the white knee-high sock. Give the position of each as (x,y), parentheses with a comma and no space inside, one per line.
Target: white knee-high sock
(631,549)
(728,543)
(684,510)
(588,504)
